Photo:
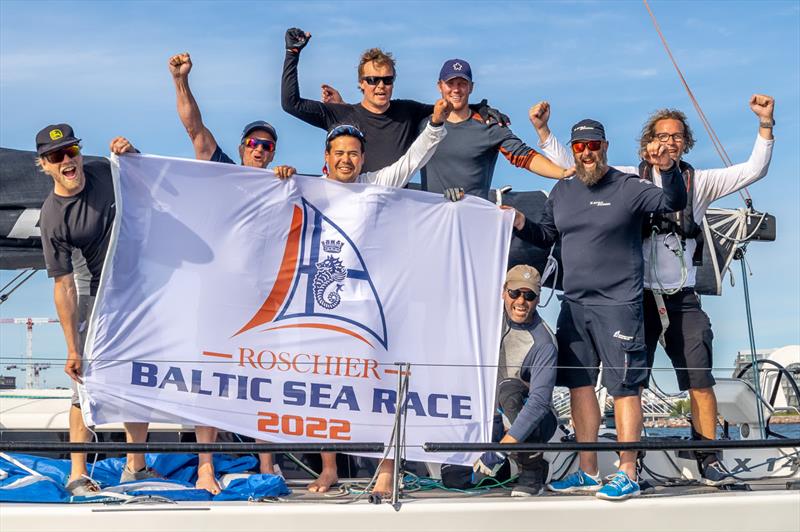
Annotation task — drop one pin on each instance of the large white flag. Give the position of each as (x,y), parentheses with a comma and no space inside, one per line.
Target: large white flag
(277,309)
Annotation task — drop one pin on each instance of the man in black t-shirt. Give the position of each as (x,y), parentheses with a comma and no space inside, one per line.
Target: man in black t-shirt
(389,126)
(78,215)
(259,138)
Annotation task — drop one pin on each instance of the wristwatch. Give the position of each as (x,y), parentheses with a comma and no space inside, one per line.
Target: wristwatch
(767,125)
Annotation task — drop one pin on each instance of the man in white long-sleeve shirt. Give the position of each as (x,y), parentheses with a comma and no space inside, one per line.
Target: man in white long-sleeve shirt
(344,159)
(669,246)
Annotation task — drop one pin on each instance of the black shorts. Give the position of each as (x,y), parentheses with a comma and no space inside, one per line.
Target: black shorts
(688,337)
(612,334)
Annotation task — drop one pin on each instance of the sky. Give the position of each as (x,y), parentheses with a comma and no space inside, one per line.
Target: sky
(102,67)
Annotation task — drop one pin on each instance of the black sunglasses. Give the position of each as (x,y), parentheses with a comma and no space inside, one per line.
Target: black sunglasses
(374,80)
(528,295)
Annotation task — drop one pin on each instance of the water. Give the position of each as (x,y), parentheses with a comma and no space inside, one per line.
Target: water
(790,430)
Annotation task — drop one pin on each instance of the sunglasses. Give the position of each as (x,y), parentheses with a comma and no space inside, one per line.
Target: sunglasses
(374,80)
(593,145)
(345,129)
(253,143)
(58,155)
(528,295)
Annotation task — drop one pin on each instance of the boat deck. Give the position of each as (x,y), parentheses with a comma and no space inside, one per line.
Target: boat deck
(764,505)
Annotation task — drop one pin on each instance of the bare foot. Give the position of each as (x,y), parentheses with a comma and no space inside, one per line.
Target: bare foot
(266,467)
(326,479)
(206,480)
(383,484)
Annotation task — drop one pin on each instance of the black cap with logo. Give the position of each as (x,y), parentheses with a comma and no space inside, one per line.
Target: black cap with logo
(53,137)
(588,129)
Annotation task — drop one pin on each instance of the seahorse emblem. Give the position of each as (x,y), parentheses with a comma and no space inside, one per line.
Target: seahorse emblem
(328,282)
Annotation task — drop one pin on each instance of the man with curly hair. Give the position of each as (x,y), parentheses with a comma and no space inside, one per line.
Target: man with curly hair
(671,255)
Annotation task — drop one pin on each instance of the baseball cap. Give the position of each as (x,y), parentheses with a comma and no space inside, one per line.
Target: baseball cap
(260,124)
(588,129)
(455,68)
(53,137)
(524,276)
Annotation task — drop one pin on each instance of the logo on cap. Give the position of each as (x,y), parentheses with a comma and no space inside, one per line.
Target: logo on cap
(457,67)
(56,134)
(526,275)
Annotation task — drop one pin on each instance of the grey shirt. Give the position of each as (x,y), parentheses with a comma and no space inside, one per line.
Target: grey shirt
(467,157)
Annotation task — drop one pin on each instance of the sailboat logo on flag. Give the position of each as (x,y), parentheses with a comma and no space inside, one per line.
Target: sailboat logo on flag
(324,277)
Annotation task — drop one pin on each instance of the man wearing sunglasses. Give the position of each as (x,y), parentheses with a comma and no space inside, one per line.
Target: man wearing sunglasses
(76,221)
(259,138)
(526,375)
(466,159)
(598,217)
(672,311)
(345,157)
(390,125)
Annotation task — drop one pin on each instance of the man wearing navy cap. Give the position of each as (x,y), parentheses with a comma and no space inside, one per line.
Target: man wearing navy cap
(466,159)
(76,221)
(259,138)
(598,217)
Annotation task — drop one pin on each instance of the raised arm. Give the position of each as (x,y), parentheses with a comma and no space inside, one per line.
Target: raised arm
(422,149)
(202,140)
(719,182)
(309,111)
(539,116)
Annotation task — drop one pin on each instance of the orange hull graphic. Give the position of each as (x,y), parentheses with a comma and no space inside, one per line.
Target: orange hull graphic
(324,326)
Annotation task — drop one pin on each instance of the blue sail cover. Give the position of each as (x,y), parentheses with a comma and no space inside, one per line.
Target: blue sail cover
(27,478)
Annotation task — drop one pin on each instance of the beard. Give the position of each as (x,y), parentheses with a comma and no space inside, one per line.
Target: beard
(591,176)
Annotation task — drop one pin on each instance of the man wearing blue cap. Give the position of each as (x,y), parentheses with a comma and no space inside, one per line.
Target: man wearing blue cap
(465,160)
(259,138)
(256,150)
(598,218)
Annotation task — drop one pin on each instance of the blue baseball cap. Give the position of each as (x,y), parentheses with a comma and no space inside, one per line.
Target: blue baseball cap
(260,124)
(588,129)
(455,68)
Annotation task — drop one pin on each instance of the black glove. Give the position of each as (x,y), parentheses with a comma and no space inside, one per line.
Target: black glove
(296,39)
(454,193)
(490,115)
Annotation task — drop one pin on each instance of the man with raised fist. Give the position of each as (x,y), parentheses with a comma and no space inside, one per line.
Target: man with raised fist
(672,311)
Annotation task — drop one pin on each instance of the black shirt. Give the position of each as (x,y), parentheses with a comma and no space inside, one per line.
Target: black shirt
(388,135)
(601,232)
(83,221)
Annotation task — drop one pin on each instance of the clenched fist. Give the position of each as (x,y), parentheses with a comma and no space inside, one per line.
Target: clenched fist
(180,65)
(763,106)
(441,109)
(657,154)
(539,114)
(120,145)
(296,39)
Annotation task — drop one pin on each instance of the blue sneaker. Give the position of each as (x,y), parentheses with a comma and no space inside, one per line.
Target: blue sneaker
(619,488)
(577,482)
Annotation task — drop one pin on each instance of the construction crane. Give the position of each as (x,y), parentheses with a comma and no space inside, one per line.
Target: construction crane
(32,370)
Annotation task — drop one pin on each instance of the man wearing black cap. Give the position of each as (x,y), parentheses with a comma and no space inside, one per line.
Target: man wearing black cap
(526,375)
(598,217)
(77,216)
(390,126)
(672,311)
(466,158)
(259,138)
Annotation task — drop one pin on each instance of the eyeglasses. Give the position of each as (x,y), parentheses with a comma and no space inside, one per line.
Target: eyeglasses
(345,129)
(253,143)
(58,155)
(676,137)
(593,145)
(528,295)
(374,80)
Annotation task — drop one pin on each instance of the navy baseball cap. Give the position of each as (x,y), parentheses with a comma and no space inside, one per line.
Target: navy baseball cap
(455,68)
(588,129)
(260,124)
(53,137)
